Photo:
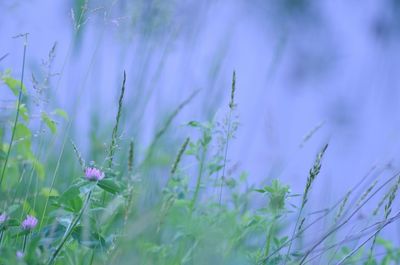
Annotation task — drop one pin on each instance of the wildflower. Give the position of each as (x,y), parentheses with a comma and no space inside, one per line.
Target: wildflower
(3,218)
(29,223)
(20,254)
(93,174)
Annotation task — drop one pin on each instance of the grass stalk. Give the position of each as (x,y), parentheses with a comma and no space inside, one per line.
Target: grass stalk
(113,144)
(385,223)
(388,209)
(167,124)
(179,156)
(25,36)
(130,187)
(111,151)
(199,177)
(24,244)
(1,237)
(70,230)
(343,223)
(269,237)
(232,106)
(314,171)
(131,157)
(326,213)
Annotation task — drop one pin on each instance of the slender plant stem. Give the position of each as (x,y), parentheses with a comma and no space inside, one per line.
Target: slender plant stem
(294,233)
(228,133)
(24,245)
(4,56)
(92,258)
(75,109)
(269,237)
(339,226)
(115,129)
(225,156)
(114,132)
(54,176)
(18,108)
(359,206)
(387,222)
(313,173)
(166,126)
(1,237)
(199,176)
(130,183)
(69,231)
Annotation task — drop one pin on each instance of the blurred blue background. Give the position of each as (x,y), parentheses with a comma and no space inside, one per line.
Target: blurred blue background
(326,66)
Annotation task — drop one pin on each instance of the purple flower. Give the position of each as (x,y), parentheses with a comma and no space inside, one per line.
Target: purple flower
(93,174)
(3,218)
(29,223)
(20,254)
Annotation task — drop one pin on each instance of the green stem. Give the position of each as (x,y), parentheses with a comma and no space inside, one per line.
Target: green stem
(92,258)
(24,245)
(16,115)
(1,237)
(69,231)
(269,237)
(198,182)
(128,207)
(293,233)
(371,251)
(225,155)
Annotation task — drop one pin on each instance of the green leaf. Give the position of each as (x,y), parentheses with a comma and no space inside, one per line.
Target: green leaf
(214,167)
(2,154)
(110,186)
(23,143)
(12,175)
(9,223)
(12,222)
(21,234)
(194,124)
(61,113)
(12,83)
(48,192)
(49,122)
(23,111)
(70,200)
(39,168)
(13,208)
(206,138)
(193,149)
(27,208)
(384,243)
(88,238)
(22,132)
(23,138)
(243,176)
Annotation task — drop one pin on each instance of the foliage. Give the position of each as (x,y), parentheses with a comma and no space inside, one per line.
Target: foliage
(125,216)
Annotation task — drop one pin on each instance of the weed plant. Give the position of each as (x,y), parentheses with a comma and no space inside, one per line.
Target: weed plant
(126,207)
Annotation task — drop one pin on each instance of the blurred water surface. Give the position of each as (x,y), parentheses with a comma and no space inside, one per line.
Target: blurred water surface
(300,65)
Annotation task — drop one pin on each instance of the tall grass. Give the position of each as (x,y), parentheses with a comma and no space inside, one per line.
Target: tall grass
(314,171)
(185,223)
(229,135)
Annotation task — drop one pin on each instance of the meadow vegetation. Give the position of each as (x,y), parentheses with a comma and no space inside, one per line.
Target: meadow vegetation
(60,206)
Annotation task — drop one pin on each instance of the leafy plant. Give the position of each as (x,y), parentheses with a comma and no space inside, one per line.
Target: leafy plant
(137,204)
